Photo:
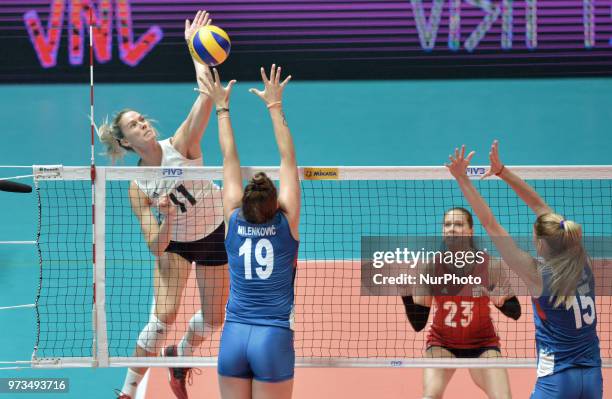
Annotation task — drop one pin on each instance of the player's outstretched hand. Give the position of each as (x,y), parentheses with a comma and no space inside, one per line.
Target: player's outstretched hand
(272,93)
(459,162)
(202,18)
(496,165)
(213,88)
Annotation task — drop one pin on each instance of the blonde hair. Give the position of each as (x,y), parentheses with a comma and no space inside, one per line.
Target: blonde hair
(565,257)
(110,135)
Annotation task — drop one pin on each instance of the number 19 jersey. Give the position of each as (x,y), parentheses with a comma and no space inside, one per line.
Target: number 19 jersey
(262,260)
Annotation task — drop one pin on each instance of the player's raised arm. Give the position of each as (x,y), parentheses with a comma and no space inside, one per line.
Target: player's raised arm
(519,260)
(156,236)
(272,96)
(232,177)
(520,187)
(188,136)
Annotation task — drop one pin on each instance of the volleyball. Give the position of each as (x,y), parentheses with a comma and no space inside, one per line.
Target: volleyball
(210,45)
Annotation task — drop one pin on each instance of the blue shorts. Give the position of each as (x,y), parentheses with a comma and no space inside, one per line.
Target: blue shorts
(263,353)
(573,383)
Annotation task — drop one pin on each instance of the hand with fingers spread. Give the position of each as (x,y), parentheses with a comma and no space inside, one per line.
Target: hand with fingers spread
(202,18)
(272,94)
(459,163)
(213,88)
(497,166)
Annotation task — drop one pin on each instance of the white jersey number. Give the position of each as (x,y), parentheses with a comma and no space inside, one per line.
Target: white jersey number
(466,313)
(265,262)
(586,303)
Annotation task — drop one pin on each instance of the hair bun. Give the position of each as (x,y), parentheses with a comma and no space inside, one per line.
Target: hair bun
(260,182)
(259,201)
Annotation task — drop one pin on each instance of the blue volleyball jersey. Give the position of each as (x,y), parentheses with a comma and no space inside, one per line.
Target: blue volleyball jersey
(566,338)
(262,260)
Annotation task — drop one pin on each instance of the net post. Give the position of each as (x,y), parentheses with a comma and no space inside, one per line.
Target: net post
(99,306)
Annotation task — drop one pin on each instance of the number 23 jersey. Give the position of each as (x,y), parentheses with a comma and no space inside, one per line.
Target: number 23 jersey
(199,202)
(461,320)
(262,261)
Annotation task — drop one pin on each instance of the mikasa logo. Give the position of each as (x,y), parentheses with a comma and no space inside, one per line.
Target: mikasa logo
(321,173)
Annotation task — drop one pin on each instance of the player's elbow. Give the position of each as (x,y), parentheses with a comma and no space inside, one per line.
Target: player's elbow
(229,154)
(511,308)
(155,251)
(288,161)
(417,315)
(156,248)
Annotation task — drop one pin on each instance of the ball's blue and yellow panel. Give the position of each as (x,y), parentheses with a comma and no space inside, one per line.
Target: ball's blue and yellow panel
(210,45)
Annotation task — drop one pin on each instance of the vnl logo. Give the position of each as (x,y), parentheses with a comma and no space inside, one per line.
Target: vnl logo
(172,172)
(46,44)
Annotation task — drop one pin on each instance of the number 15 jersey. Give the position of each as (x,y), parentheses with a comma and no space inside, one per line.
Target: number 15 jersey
(262,260)
(566,337)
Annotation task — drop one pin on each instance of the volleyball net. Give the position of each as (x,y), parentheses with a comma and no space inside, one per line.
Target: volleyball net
(91,313)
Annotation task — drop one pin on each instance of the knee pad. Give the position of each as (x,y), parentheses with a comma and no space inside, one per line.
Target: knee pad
(197,325)
(152,335)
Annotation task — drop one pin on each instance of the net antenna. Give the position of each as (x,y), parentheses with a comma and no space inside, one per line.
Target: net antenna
(99,342)
(91,93)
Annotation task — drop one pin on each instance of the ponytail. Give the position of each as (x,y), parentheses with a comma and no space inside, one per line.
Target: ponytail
(566,257)
(110,135)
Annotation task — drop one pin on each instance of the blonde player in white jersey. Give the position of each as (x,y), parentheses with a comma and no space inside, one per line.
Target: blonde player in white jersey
(191,229)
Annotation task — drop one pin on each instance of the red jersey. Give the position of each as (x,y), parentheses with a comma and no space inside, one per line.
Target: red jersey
(463,321)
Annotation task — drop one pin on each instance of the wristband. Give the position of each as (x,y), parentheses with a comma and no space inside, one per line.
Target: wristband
(221,110)
(273,104)
(501,170)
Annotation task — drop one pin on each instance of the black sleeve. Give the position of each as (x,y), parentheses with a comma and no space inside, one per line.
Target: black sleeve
(511,308)
(417,314)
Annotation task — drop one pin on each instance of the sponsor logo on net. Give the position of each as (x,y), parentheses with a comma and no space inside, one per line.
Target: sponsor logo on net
(172,172)
(321,173)
(476,171)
